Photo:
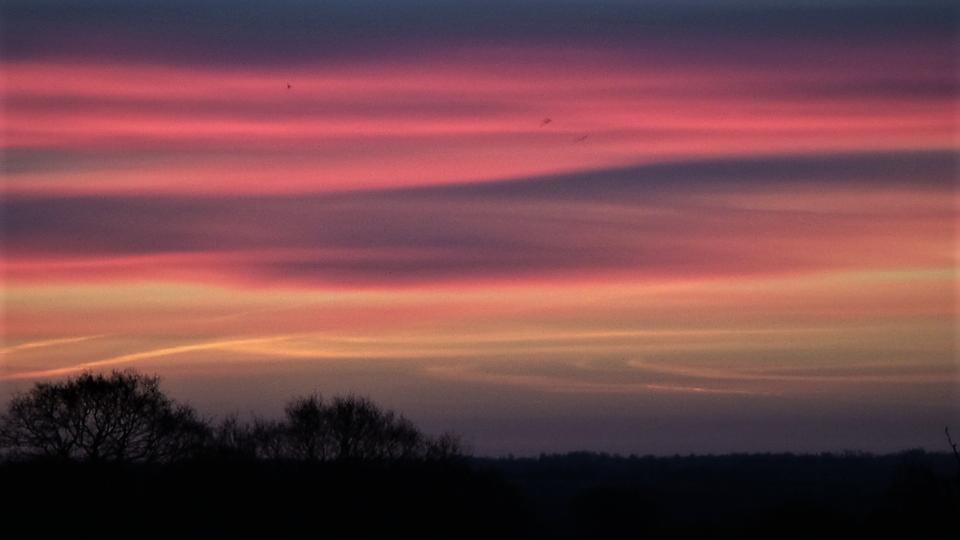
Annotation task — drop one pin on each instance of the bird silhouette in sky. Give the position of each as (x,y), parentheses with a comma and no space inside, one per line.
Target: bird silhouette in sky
(545,122)
(581,138)
(289,86)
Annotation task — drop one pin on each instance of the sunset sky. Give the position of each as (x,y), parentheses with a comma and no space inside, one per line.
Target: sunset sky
(627,226)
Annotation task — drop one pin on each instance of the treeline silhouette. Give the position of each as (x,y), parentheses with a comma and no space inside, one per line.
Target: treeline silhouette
(124,417)
(112,456)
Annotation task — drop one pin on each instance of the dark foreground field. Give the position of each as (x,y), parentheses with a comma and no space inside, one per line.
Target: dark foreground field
(913,494)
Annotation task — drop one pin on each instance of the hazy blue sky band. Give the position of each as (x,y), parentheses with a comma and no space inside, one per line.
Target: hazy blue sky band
(234,33)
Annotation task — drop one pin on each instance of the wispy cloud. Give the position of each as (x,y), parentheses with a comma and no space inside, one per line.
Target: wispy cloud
(48,343)
(865,374)
(131,358)
(570,385)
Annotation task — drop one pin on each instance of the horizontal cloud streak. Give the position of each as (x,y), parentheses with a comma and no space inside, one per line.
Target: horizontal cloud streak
(95,127)
(719,217)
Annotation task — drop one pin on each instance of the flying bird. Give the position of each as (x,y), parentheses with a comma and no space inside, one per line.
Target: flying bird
(289,86)
(545,122)
(581,138)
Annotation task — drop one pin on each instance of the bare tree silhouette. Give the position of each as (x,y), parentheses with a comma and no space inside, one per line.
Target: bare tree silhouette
(232,439)
(124,417)
(306,430)
(361,431)
(953,446)
(121,417)
(346,429)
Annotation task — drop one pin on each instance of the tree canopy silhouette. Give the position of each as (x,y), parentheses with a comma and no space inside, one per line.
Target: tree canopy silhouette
(121,417)
(125,417)
(345,429)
